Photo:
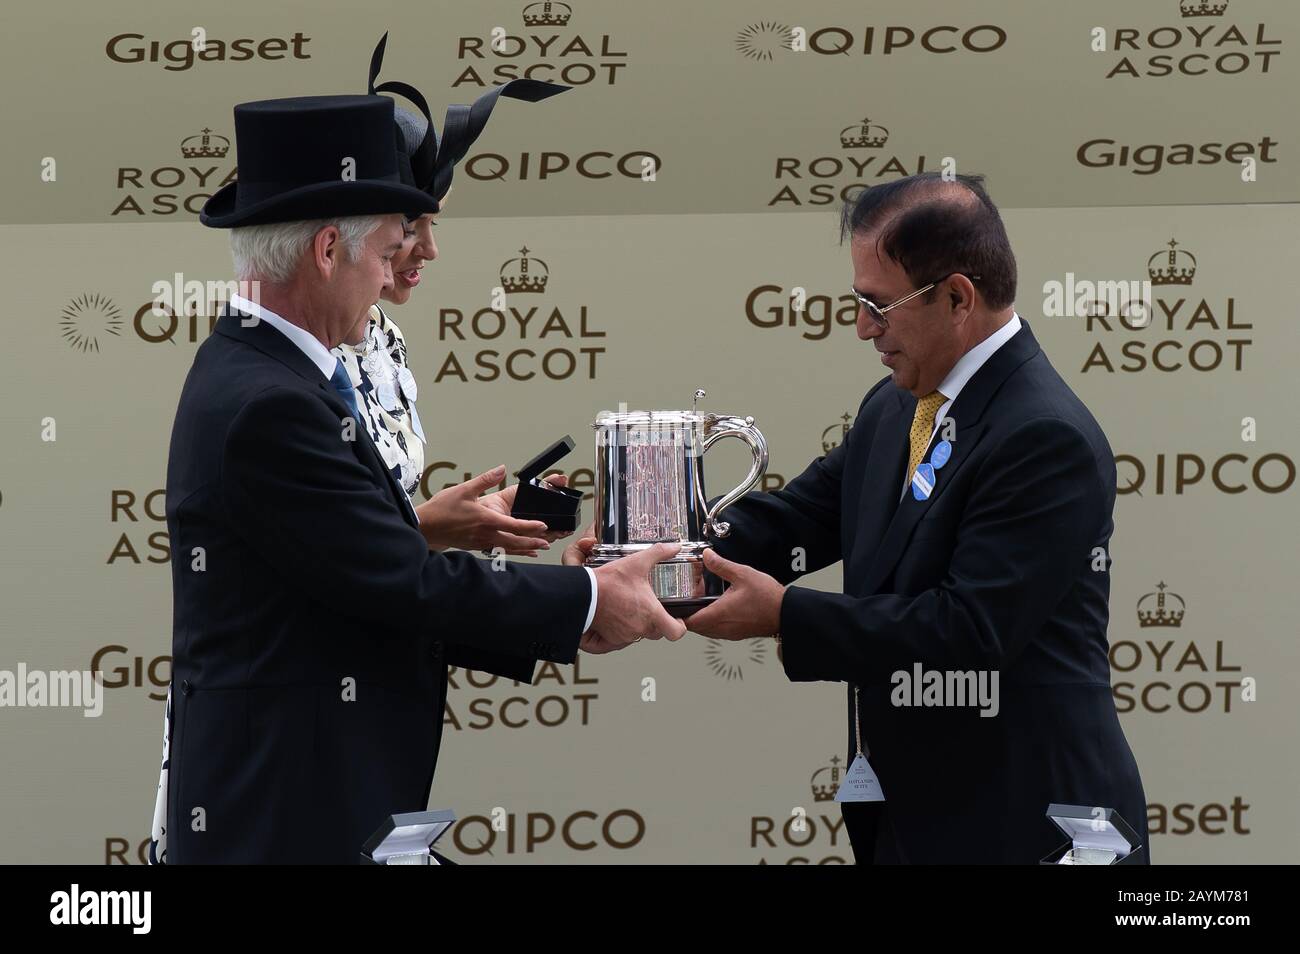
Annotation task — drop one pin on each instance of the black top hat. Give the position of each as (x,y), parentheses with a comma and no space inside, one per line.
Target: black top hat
(314,157)
(422,160)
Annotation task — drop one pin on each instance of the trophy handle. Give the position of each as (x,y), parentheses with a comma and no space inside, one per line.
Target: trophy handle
(716,428)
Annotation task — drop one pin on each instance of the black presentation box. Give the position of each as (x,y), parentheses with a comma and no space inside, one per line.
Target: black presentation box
(557,507)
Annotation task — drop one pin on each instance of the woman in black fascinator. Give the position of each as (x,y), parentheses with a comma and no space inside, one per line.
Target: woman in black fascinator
(375,353)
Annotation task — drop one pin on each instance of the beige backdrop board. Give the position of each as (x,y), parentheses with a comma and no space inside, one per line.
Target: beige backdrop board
(1108,102)
(643,309)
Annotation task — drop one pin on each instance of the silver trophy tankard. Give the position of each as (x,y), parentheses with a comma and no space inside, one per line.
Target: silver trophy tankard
(650,489)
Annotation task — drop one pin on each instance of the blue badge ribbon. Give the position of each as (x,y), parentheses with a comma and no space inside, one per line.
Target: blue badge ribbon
(924,477)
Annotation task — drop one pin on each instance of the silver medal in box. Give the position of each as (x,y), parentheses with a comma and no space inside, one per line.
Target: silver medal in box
(1098,836)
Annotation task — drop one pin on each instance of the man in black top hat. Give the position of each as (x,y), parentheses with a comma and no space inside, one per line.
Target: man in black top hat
(296,727)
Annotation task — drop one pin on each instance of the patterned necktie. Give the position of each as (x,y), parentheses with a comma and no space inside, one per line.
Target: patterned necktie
(923,428)
(343,384)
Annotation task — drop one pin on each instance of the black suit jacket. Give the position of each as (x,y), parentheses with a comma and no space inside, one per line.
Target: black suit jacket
(312,625)
(995,571)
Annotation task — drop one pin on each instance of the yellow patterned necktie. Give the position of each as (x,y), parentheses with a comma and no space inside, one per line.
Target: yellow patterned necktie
(923,428)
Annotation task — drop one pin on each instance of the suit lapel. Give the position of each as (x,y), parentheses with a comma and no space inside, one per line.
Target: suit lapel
(259,335)
(887,456)
(967,412)
(910,510)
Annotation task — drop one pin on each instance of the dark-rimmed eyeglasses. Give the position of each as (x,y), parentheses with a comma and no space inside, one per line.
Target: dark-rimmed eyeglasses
(877,312)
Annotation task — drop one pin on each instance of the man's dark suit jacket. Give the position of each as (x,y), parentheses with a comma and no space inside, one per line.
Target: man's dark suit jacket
(995,571)
(313,629)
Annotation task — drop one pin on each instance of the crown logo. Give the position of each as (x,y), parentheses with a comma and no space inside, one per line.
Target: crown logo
(1175,267)
(1203,8)
(863,136)
(547,14)
(1152,611)
(522,278)
(825,781)
(832,436)
(205,146)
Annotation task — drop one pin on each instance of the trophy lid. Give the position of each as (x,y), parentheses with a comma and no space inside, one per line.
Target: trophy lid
(1094,828)
(666,419)
(645,418)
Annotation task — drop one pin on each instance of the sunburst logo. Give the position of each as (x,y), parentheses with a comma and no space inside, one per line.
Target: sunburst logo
(727,657)
(87,319)
(761,41)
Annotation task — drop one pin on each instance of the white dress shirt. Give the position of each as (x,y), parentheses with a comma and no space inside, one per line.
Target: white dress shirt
(320,356)
(963,371)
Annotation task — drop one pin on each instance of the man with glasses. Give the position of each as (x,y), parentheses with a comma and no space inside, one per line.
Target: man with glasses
(971,506)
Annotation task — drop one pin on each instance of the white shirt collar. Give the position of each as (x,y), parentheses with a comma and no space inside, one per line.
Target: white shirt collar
(306,342)
(964,370)
(974,359)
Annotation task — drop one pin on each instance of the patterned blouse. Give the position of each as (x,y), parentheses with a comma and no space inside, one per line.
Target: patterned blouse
(387,391)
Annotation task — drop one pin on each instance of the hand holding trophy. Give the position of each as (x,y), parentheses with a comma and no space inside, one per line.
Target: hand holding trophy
(627,609)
